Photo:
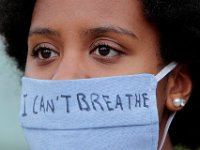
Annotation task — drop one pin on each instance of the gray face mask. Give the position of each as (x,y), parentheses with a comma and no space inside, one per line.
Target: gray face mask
(111,113)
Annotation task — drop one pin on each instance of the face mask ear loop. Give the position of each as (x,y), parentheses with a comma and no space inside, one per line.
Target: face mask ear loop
(167,69)
(169,121)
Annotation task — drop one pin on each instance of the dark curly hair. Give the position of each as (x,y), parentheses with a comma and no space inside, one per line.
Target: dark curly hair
(178,22)
(15,20)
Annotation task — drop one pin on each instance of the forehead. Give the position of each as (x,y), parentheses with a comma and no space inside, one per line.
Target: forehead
(99,5)
(95,10)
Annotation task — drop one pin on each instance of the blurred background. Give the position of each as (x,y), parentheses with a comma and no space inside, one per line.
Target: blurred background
(11,135)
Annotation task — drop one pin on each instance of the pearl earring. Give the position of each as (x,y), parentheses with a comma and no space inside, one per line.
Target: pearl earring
(179,102)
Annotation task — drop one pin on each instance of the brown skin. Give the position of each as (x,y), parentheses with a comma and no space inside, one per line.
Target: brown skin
(75,32)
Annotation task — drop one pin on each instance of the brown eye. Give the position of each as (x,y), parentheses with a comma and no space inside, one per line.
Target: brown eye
(105,51)
(44,52)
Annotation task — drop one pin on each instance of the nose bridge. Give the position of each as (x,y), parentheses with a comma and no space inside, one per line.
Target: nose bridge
(70,66)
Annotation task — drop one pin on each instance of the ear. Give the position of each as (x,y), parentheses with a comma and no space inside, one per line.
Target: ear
(179,85)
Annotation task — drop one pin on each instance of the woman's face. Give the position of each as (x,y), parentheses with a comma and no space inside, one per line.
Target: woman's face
(74,39)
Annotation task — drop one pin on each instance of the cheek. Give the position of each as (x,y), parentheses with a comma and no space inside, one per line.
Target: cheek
(34,71)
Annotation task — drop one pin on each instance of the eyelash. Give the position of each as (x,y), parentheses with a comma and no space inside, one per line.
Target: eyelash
(39,48)
(98,45)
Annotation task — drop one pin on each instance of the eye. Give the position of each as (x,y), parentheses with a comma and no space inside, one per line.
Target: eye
(44,52)
(106,53)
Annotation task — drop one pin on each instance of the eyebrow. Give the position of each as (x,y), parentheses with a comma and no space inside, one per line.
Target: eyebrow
(110,29)
(90,31)
(44,31)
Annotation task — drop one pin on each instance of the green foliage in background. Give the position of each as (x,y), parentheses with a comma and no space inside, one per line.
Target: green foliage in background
(180,147)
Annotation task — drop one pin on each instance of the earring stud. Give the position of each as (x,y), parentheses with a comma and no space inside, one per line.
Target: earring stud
(179,102)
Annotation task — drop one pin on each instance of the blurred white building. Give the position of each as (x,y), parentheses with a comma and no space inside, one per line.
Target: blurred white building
(11,135)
